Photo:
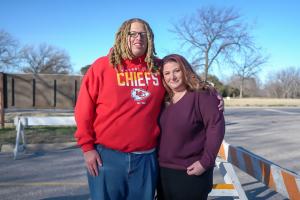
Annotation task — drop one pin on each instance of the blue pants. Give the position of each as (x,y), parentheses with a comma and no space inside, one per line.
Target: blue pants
(124,176)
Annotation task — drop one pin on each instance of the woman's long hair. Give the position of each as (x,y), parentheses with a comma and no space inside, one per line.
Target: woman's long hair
(192,81)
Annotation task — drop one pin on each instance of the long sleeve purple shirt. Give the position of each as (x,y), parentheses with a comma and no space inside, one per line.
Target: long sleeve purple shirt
(191,130)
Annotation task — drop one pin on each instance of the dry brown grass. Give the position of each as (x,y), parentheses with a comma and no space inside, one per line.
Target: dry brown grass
(260,102)
(38,135)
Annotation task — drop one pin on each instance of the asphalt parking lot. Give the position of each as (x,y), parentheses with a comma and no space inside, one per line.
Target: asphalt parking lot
(271,133)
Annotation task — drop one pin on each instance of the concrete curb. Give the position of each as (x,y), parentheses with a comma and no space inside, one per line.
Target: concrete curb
(40,147)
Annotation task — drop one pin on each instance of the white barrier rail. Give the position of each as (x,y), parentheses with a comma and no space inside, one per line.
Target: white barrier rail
(22,122)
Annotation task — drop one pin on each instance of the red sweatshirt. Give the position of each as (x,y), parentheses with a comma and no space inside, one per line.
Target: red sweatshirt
(119,109)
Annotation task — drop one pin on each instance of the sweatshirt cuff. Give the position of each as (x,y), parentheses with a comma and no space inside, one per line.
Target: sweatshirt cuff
(87,147)
(205,163)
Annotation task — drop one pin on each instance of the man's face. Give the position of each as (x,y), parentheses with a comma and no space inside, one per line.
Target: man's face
(137,39)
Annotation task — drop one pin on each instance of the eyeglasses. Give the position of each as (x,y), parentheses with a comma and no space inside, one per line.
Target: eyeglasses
(135,34)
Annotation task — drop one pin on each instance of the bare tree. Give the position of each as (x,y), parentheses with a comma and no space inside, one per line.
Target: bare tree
(247,64)
(45,59)
(84,69)
(284,83)
(8,51)
(213,34)
(250,88)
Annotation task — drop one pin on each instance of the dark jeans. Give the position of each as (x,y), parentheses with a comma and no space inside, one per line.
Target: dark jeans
(124,176)
(178,185)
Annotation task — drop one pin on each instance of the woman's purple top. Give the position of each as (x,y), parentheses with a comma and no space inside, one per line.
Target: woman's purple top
(191,129)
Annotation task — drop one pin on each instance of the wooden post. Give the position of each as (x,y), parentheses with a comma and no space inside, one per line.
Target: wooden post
(54,91)
(12,91)
(1,100)
(75,92)
(33,92)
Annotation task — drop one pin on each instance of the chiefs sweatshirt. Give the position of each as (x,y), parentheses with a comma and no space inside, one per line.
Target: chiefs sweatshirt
(119,109)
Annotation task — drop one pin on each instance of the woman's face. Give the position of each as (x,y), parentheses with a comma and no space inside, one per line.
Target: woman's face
(173,76)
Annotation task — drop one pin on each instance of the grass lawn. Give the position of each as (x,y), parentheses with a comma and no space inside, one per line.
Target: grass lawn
(262,102)
(39,135)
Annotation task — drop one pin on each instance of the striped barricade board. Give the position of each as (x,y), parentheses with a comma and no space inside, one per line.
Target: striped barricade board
(281,180)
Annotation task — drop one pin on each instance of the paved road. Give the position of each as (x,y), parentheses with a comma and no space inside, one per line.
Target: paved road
(58,175)
(273,133)
(55,175)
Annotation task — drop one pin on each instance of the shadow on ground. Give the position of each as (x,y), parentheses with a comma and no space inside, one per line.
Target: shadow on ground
(77,197)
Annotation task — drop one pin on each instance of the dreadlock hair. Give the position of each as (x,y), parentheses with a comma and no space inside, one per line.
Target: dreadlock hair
(121,50)
(192,81)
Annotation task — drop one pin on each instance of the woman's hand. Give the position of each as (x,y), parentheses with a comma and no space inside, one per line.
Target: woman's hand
(195,169)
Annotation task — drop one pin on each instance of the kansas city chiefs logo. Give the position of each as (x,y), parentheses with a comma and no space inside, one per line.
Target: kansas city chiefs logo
(139,94)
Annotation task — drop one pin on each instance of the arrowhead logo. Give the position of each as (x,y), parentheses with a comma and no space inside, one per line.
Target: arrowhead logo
(139,94)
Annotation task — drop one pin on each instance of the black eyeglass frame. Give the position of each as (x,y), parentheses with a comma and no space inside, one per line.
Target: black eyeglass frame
(135,34)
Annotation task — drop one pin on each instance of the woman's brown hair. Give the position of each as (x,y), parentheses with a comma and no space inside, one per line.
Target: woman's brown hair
(192,81)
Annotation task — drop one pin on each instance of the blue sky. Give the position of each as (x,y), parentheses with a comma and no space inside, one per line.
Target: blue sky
(86,29)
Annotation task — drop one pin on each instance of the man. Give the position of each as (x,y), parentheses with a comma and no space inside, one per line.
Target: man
(116,114)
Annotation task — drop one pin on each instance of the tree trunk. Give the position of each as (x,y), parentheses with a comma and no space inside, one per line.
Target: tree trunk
(241,89)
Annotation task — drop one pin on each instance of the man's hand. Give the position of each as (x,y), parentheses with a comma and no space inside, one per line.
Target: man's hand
(92,161)
(195,169)
(221,104)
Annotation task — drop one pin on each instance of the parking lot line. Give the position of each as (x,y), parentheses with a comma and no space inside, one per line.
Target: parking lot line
(35,184)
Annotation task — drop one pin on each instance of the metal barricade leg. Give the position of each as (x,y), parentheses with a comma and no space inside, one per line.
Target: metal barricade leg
(230,176)
(20,133)
(16,149)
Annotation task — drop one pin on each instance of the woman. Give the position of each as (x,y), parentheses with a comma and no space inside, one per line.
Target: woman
(192,130)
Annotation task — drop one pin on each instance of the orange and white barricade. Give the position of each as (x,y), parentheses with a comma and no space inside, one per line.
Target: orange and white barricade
(281,180)
(232,186)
